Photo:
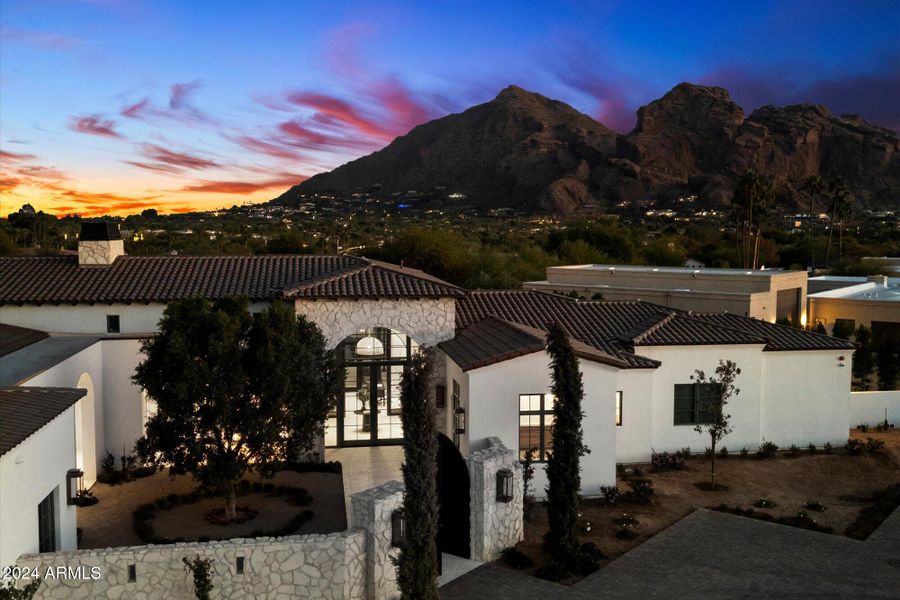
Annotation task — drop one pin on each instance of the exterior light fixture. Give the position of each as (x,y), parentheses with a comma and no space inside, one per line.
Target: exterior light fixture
(398,528)
(369,346)
(74,485)
(459,420)
(504,485)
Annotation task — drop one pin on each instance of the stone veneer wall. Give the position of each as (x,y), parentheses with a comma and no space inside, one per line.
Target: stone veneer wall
(371,511)
(100,252)
(328,567)
(494,525)
(428,320)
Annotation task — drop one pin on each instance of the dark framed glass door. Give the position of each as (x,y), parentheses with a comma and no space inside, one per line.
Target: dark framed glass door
(47,524)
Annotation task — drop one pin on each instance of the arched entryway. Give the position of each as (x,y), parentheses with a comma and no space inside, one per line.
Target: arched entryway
(368,411)
(85,431)
(453,499)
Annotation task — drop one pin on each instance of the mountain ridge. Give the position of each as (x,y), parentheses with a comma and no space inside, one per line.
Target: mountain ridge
(524,150)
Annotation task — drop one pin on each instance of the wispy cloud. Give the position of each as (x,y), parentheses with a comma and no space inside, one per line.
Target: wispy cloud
(181,160)
(41,39)
(94,125)
(244,187)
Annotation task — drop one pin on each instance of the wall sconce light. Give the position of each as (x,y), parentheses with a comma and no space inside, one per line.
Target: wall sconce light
(74,485)
(398,528)
(504,485)
(459,420)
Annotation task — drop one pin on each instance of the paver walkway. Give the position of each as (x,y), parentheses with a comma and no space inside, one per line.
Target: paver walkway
(709,554)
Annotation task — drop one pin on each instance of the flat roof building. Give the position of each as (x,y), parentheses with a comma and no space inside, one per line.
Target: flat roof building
(759,293)
(872,301)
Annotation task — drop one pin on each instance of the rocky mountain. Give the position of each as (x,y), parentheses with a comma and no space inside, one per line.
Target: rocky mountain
(524,150)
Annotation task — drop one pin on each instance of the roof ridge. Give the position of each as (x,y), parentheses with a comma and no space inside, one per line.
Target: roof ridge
(692,317)
(643,330)
(362,265)
(787,328)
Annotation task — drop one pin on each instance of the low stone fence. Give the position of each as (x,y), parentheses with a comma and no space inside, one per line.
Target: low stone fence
(328,566)
(495,524)
(870,407)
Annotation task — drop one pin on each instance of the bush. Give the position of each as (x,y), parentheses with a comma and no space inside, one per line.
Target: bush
(516,558)
(814,505)
(767,450)
(587,559)
(827,448)
(609,495)
(873,445)
(641,491)
(707,453)
(855,446)
(745,452)
(723,453)
(793,451)
(812,448)
(85,498)
(626,533)
(883,426)
(552,571)
(626,520)
(764,503)
(863,427)
(664,461)
(684,453)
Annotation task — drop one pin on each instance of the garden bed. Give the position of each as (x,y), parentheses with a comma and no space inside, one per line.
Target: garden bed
(842,484)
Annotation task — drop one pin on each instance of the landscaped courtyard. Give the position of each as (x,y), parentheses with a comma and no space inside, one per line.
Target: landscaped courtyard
(839,483)
(274,505)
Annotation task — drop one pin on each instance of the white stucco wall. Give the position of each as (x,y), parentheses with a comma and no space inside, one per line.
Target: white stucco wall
(871,407)
(493,410)
(85,370)
(635,436)
(678,364)
(122,402)
(28,473)
(454,373)
(807,397)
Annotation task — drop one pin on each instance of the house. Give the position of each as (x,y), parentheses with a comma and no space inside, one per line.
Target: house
(492,377)
(767,294)
(872,301)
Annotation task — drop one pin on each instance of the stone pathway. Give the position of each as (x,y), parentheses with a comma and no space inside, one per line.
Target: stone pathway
(366,467)
(710,554)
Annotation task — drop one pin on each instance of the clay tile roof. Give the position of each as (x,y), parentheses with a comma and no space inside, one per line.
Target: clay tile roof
(14,338)
(678,329)
(60,280)
(24,410)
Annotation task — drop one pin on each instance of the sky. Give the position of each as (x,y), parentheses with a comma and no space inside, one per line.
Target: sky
(114,106)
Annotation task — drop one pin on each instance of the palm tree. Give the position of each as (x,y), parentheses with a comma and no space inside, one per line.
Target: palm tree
(812,187)
(841,204)
(753,196)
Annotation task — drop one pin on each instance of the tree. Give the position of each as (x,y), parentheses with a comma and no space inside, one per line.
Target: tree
(888,361)
(753,199)
(862,357)
(813,187)
(716,391)
(233,392)
(841,202)
(417,562)
(149,213)
(564,464)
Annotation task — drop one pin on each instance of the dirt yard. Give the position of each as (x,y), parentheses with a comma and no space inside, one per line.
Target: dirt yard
(109,523)
(840,482)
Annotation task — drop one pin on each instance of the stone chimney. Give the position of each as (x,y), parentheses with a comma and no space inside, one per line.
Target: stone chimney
(100,243)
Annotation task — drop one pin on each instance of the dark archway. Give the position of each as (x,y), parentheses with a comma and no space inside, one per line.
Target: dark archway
(453,499)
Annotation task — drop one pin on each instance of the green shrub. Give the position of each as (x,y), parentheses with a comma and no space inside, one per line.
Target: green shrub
(723,453)
(793,451)
(863,427)
(641,491)
(814,505)
(854,446)
(873,445)
(767,450)
(664,461)
(745,452)
(764,503)
(587,559)
(827,448)
(552,571)
(609,495)
(685,453)
(812,448)
(516,559)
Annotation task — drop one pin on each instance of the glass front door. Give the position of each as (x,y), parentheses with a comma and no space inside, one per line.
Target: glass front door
(370,409)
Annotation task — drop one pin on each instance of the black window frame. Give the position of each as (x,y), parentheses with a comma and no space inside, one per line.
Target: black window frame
(47,524)
(542,413)
(696,413)
(113,324)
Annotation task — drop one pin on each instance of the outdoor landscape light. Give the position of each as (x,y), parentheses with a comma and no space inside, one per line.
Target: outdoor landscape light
(504,485)
(74,484)
(398,528)
(369,346)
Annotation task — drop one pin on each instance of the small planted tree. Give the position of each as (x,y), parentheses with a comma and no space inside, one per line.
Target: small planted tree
(716,391)
(564,464)
(233,392)
(417,561)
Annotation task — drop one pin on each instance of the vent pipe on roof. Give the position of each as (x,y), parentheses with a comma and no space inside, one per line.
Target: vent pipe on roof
(100,243)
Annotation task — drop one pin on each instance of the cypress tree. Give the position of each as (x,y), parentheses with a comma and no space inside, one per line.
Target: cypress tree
(564,465)
(417,562)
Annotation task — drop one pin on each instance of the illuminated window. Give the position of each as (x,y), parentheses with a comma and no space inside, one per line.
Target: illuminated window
(536,425)
(619,408)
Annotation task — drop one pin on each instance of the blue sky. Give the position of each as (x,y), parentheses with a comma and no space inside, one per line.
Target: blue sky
(114,106)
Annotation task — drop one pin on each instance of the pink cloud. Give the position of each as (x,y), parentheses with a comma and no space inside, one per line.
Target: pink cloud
(244,187)
(339,109)
(275,150)
(176,159)
(94,125)
(15,156)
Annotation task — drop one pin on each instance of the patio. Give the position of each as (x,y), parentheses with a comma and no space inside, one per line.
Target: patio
(366,467)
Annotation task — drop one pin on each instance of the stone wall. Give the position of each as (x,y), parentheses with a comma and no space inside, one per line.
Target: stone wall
(495,524)
(100,252)
(428,320)
(371,511)
(327,567)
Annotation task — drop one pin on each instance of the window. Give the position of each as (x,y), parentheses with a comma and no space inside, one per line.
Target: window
(47,524)
(536,425)
(112,323)
(459,413)
(691,403)
(619,408)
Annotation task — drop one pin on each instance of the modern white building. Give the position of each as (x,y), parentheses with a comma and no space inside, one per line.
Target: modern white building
(767,294)
(492,379)
(872,301)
